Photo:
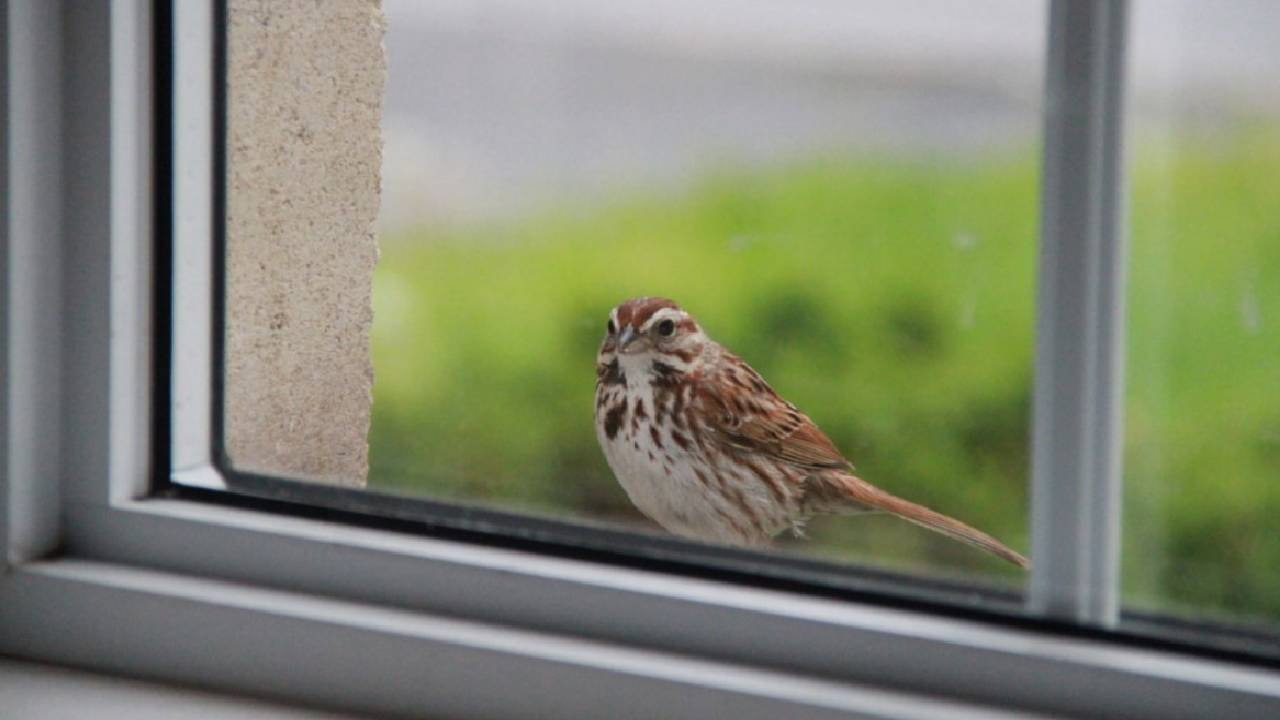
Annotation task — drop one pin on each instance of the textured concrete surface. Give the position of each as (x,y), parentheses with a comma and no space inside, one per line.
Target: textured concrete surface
(306,83)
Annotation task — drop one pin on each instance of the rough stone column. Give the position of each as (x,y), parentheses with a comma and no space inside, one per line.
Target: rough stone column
(305,88)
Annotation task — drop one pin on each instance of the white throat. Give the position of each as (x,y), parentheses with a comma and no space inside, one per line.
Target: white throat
(637,368)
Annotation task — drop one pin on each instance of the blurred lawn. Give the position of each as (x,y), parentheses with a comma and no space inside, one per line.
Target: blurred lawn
(891,301)
(1202,462)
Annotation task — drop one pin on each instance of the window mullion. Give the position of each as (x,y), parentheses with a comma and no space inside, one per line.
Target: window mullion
(193,283)
(1080,318)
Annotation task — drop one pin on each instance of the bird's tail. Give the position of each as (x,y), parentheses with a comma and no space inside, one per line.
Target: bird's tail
(837,492)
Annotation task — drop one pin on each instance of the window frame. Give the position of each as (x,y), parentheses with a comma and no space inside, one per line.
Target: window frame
(101,574)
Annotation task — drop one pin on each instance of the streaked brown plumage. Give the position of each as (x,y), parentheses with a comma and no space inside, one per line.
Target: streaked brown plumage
(708,450)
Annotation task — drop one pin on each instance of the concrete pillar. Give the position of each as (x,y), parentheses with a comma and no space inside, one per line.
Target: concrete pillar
(305,88)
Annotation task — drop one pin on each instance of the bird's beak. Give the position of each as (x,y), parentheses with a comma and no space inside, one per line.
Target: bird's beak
(629,340)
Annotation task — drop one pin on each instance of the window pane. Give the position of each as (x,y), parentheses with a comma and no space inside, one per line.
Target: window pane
(844,194)
(1203,418)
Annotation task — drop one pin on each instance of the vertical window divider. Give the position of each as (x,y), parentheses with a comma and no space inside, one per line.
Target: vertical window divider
(193,261)
(1079,368)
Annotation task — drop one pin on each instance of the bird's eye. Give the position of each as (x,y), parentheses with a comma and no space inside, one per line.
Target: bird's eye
(610,327)
(666,327)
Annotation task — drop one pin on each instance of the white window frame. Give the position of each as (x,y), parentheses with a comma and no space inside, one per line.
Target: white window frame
(100,575)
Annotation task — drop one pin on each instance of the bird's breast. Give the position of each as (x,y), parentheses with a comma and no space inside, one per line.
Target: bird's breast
(671,476)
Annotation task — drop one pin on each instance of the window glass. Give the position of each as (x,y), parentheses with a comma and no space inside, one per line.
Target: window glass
(843,194)
(1203,422)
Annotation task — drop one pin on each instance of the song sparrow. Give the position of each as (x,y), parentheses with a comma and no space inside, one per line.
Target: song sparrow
(708,450)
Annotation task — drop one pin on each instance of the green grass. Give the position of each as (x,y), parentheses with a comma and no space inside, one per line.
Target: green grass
(1202,475)
(891,301)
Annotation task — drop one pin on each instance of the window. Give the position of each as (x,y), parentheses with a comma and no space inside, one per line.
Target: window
(1200,456)
(834,202)
(285,596)
(810,180)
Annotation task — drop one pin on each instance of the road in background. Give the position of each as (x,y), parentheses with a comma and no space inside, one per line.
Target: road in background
(499,107)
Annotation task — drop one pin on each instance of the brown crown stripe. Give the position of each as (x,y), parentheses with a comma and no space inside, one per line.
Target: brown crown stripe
(636,312)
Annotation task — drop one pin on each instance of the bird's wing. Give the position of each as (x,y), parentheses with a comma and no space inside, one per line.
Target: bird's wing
(746,414)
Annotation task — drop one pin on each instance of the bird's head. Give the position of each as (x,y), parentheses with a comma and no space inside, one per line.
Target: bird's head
(643,330)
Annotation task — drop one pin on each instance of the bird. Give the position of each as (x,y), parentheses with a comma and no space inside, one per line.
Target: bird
(704,447)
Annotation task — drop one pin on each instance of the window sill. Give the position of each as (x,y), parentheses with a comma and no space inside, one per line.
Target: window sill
(356,619)
(368,658)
